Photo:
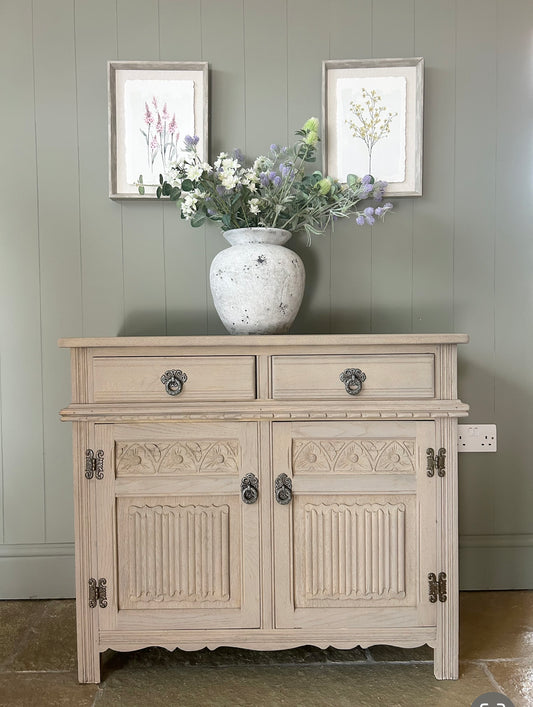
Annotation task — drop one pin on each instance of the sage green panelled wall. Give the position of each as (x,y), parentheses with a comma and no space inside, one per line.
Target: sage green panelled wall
(75,263)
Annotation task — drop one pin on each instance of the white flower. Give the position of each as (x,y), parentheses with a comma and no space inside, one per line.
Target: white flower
(229,181)
(253,205)
(230,165)
(194,171)
(188,206)
(206,167)
(218,161)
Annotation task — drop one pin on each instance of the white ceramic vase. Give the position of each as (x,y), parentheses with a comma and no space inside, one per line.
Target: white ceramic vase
(257,284)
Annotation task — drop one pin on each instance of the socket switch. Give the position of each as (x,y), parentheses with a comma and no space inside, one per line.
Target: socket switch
(476,438)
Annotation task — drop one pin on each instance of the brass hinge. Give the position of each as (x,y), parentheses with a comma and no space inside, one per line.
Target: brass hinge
(94,464)
(437,587)
(98,593)
(436,462)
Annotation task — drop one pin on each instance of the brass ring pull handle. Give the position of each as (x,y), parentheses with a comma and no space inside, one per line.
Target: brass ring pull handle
(353,379)
(249,488)
(173,381)
(283,489)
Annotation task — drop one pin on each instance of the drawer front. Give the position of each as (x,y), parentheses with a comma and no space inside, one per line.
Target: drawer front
(387,376)
(209,378)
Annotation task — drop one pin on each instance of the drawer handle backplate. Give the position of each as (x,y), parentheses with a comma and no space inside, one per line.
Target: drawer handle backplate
(249,488)
(283,489)
(353,379)
(173,381)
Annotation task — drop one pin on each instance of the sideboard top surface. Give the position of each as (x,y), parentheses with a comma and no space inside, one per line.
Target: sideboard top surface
(265,340)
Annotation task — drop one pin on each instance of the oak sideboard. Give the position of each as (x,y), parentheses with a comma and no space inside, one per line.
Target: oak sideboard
(265,492)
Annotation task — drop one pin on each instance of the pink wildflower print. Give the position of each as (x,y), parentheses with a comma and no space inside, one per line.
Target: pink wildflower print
(164,114)
(154,102)
(159,125)
(154,144)
(148,117)
(172,126)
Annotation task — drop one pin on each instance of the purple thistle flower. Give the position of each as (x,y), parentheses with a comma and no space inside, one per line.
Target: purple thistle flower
(271,176)
(277,181)
(387,206)
(367,179)
(360,220)
(221,190)
(379,211)
(369,211)
(366,188)
(191,140)
(263,178)
(370,220)
(274,147)
(237,155)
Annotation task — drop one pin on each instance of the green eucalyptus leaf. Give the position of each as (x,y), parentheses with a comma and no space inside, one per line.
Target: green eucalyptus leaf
(158,192)
(187,185)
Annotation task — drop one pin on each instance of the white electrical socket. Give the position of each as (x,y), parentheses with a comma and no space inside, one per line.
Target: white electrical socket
(476,438)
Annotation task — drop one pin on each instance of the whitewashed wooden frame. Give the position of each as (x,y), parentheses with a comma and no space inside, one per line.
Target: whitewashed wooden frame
(399,151)
(183,87)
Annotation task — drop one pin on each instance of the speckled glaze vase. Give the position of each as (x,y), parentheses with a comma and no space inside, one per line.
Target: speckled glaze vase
(257,284)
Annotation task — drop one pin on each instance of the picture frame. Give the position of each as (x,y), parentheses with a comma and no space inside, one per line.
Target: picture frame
(372,118)
(153,105)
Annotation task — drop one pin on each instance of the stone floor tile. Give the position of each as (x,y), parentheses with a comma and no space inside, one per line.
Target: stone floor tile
(16,618)
(515,677)
(361,685)
(496,625)
(52,640)
(45,690)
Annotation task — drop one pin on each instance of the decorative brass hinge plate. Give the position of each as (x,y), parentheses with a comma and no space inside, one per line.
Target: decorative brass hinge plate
(437,587)
(98,593)
(436,462)
(94,464)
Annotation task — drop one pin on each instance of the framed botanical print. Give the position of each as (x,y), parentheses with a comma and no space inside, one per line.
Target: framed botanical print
(372,116)
(152,107)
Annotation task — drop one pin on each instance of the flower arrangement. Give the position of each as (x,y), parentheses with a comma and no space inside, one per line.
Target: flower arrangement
(275,191)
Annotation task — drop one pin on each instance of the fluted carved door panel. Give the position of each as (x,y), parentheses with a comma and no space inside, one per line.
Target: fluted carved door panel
(186,544)
(358,540)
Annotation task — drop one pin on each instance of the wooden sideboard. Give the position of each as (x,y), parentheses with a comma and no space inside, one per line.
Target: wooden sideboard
(265,492)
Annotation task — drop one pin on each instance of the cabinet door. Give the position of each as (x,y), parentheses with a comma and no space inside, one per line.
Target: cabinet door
(356,543)
(176,543)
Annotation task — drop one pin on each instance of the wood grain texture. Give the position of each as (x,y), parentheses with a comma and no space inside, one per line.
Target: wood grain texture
(177,543)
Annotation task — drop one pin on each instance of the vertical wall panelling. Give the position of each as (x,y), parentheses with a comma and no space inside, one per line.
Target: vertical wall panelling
(513,480)
(474,223)
(308,44)
(180,36)
(350,31)
(100,218)
(20,334)
(74,262)
(59,233)
(392,241)
(142,222)
(265,77)
(223,48)
(432,225)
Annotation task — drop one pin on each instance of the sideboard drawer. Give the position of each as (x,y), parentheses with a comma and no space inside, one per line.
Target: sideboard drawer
(385,376)
(138,378)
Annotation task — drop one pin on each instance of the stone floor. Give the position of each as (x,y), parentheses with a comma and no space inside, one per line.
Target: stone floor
(38,666)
